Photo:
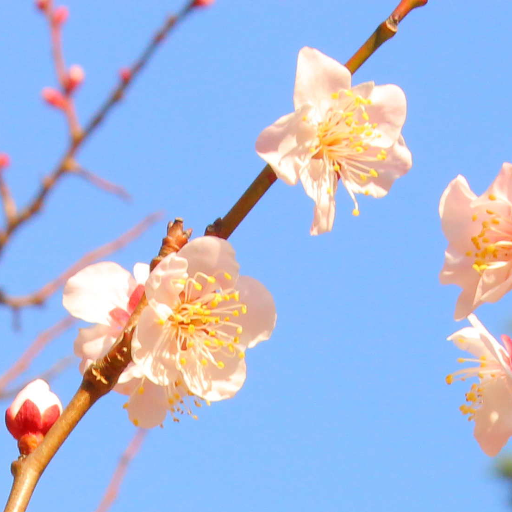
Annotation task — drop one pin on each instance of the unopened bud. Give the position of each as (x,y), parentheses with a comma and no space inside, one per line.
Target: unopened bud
(54,98)
(75,77)
(4,160)
(60,15)
(32,413)
(42,4)
(203,3)
(125,74)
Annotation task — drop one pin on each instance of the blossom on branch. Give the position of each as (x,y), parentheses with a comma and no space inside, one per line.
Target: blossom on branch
(479,233)
(32,413)
(337,133)
(201,318)
(488,403)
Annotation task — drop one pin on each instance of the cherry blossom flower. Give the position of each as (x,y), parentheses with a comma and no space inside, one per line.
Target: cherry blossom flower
(106,294)
(479,233)
(337,133)
(488,403)
(32,413)
(202,316)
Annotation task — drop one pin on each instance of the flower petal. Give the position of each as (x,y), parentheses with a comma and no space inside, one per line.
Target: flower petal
(214,257)
(141,272)
(493,419)
(164,283)
(149,408)
(318,77)
(260,319)
(283,144)
(96,290)
(212,383)
(94,342)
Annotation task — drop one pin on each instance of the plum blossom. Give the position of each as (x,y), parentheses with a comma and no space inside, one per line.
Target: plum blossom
(201,318)
(106,294)
(488,403)
(32,413)
(479,233)
(337,132)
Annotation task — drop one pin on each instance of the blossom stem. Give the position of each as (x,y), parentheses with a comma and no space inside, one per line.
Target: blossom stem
(223,227)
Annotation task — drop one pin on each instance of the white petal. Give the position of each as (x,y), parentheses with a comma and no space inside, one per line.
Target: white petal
(141,272)
(260,319)
(162,285)
(96,290)
(149,408)
(94,342)
(318,77)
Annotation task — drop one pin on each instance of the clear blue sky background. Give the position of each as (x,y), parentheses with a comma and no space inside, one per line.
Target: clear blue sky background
(345,408)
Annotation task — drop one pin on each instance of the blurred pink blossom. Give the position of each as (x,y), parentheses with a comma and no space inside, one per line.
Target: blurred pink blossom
(479,233)
(488,403)
(337,133)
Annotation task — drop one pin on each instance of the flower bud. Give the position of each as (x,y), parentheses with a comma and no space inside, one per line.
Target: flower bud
(34,410)
(42,4)
(74,77)
(54,98)
(125,74)
(203,3)
(60,15)
(4,160)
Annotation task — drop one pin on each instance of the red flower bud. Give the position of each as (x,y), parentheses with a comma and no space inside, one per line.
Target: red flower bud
(125,74)
(60,15)
(54,98)
(75,77)
(32,413)
(4,160)
(203,3)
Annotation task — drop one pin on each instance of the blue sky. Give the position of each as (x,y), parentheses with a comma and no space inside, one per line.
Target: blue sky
(345,408)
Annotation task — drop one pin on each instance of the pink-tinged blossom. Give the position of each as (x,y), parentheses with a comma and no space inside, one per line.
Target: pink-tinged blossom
(337,132)
(32,413)
(202,316)
(479,233)
(488,403)
(105,294)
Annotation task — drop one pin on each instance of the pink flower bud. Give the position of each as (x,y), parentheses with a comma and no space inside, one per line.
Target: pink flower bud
(34,410)
(203,3)
(74,78)
(54,98)
(4,160)
(42,4)
(60,15)
(125,74)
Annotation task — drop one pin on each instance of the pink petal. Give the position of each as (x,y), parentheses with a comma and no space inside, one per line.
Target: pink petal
(493,419)
(154,347)
(318,76)
(94,342)
(502,185)
(149,408)
(456,212)
(283,145)
(96,290)
(162,284)
(397,164)
(388,109)
(260,319)
(141,272)
(214,257)
(212,383)
(470,340)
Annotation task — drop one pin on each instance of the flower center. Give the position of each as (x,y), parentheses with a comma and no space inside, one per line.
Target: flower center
(205,323)
(345,137)
(493,245)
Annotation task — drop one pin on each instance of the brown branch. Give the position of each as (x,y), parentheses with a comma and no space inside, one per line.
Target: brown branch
(5,193)
(33,350)
(67,163)
(114,486)
(98,380)
(40,296)
(223,227)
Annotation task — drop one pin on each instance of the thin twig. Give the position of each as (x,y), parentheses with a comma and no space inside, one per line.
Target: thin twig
(114,486)
(223,227)
(25,360)
(67,162)
(47,375)
(40,296)
(102,183)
